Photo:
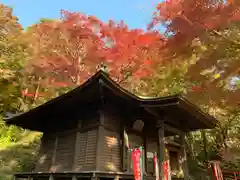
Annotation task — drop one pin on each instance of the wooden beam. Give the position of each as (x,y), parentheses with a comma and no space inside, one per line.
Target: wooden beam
(78,129)
(152,112)
(81,174)
(166,119)
(160,105)
(172,129)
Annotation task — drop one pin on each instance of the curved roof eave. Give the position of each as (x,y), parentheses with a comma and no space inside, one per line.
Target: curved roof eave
(159,101)
(102,79)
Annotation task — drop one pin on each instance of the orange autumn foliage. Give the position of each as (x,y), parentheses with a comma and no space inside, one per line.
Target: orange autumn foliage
(206,30)
(73,48)
(68,51)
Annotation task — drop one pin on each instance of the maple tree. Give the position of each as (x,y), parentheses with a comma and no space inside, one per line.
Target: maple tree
(58,50)
(12,57)
(187,19)
(66,52)
(204,33)
(131,52)
(81,44)
(61,46)
(197,56)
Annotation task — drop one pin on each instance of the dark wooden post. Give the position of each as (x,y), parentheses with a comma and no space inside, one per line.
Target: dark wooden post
(183,160)
(74,177)
(54,152)
(123,153)
(129,154)
(15,177)
(51,177)
(94,176)
(79,126)
(145,154)
(161,146)
(100,139)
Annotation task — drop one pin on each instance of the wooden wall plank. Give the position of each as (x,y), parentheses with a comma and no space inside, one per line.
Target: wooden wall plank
(86,151)
(110,159)
(64,153)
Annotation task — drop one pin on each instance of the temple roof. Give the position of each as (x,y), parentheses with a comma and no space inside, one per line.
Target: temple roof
(100,86)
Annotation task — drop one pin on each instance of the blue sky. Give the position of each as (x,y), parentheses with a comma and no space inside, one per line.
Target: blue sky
(136,13)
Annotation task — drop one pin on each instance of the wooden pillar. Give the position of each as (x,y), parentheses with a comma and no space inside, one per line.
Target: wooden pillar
(53,165)
(74,177)
(94,177)
(126,154)
(100,140)
(161,147)
(51,177)
(79,126)
(183,159)
(116,177)
(15,177)
(123,152)
(145,154)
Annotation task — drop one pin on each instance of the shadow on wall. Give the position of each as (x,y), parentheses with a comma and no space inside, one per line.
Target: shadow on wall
(18,158)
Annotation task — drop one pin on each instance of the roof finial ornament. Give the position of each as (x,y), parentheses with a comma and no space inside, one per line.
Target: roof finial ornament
(104,67)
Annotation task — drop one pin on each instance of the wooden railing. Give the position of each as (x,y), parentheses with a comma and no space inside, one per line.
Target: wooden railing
(231,174)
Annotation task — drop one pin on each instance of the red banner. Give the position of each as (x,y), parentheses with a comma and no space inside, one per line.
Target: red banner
(136,160)
(217,171)
(156,166)
(166,170)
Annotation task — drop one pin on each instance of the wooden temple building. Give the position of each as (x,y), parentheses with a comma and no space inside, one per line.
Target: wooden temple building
(85,132)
